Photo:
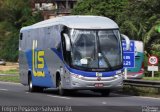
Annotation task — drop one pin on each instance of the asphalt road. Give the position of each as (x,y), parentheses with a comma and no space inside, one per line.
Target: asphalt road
(12,94)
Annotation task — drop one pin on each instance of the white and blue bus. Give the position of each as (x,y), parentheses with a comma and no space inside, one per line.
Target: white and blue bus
(72,53)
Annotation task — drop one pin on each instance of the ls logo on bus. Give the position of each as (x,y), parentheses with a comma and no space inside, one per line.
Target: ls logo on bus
(37,61)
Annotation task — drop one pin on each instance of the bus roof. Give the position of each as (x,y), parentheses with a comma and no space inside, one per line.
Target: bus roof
(77,22)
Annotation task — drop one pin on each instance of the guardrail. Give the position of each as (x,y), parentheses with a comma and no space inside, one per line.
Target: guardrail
(142,83)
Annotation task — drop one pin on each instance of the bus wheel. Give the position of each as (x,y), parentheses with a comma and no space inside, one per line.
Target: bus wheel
(105,92)
(31,87)
(61,91)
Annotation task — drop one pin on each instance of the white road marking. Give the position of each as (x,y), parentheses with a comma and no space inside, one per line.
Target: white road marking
(3,89)
(58,97)
(104,103)
(10,83)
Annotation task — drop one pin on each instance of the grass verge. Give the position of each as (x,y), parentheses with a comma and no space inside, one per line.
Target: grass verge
(12,75)
(141,91)
(152,78)
(11,71)
(8,78)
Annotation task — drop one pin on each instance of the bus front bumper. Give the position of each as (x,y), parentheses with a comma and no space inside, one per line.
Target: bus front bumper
(92,83)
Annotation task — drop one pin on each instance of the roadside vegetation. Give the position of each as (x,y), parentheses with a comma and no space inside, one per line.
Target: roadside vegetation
(152,78)
(10,78)
(11,75)
(141,91)
(9,72)
(14,14)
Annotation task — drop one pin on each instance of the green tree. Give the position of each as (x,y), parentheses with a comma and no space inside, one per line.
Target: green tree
(14,14)
(143,17)
(109,8)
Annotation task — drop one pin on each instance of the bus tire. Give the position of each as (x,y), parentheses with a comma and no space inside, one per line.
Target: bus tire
(61,91)
(105,92)
(31,87)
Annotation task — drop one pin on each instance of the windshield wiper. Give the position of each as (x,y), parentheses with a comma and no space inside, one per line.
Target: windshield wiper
(103,55)
(106,60)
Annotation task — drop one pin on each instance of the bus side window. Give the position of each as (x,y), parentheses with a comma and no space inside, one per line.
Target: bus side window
(64,46)
(21,36)
(66,54)
(59,47)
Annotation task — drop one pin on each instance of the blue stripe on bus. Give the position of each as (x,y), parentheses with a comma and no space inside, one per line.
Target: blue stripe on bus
(40,81)
(92,74)
(59,54)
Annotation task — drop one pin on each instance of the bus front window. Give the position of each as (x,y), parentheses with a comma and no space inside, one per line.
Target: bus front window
(95,49)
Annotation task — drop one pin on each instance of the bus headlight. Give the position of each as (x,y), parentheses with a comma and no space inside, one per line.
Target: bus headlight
(118,75)
(77,76)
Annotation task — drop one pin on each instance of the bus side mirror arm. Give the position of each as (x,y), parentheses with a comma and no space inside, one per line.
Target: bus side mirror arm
(67,40)
(127,41)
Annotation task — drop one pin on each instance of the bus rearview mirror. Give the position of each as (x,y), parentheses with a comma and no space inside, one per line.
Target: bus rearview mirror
(68,44)
(127,41)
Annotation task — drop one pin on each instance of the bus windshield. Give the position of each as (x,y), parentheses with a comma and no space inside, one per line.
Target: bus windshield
(96,49)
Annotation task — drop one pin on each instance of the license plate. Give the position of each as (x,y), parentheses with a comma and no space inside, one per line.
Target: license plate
(98,85)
